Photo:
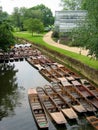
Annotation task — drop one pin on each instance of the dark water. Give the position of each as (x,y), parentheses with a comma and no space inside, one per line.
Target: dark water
(15,114)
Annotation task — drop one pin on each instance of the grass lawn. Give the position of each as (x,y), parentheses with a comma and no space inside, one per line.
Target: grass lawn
(38,38)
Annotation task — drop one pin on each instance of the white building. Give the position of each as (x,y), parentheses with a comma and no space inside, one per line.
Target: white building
(68,19)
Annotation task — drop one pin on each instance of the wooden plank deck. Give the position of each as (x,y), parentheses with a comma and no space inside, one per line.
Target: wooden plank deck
(59,118)
(93,120)
(79,108)
(70,113)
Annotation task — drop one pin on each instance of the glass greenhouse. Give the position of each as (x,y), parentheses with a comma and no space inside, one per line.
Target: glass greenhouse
(68,19)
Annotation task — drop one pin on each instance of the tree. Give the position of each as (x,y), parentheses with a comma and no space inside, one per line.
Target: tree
(92,7)
(40,12)
(3,16)
(16,18)
(87,34)
(34,25)
(6,36)
(71,4)
(47,16)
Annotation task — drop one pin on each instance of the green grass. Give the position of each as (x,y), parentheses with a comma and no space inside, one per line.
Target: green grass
(38,38)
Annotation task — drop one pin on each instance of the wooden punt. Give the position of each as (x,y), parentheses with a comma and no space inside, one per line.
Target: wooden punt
(76,94)
(53,111)
(63,73)
(37,109)
(68,72)
(58,74)
(93,120)
(48,75)
(61,103)
(89,86)
(87,93)
(45,60)
(34,62)
(36,52)
(74,103)
(53,72)
(59,70)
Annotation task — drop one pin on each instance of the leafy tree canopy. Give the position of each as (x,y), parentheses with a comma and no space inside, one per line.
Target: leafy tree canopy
(6,36)
(34,25)
(40,12)
(86,35)
(71,4)
(3,16)
(47,16)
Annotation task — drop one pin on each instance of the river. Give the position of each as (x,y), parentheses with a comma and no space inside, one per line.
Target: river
(15,114)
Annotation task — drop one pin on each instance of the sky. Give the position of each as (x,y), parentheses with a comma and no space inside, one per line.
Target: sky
(8,5)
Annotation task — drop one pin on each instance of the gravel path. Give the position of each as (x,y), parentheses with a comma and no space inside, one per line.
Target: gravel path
(47,38)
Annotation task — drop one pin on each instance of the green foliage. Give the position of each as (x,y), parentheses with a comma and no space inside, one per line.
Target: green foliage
(20,15)
(6,36)
(92,7)
(34,25)
(87,34)
(47,17)
(71,4)
(3,16)
(55,34)
(15,18)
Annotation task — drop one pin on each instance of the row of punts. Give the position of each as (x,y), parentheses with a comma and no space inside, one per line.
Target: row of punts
(60,107)
(69,94)
(18,53)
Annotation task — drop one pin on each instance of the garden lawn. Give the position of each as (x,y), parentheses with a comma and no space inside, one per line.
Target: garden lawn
(38,39)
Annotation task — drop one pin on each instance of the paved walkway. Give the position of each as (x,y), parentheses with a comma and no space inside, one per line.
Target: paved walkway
(47,38)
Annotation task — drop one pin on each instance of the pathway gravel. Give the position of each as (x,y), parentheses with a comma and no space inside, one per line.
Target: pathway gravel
(47,38)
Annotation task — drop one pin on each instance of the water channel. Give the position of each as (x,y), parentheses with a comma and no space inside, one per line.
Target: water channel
(15,114)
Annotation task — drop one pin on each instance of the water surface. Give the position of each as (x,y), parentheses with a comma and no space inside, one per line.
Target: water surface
(15,114)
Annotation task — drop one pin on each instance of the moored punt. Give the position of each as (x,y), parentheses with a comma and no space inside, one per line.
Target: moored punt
(37,109)
(93,120)
(76,94)
(53,111)
(53,72)
(45,60)
(61,103)
(65,83)
(59,70)
(48,75)
(69,99)
(68,72)
(34,62)
(86,93)
(89,86)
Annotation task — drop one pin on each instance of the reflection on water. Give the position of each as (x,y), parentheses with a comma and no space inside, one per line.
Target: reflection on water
(9,93)
(15,114)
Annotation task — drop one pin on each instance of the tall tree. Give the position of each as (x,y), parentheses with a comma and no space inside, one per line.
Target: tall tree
(6,36)
(71,4)
(16,18)
(92,7)
(34,25)
(87,33)
(3,16)
(47,16)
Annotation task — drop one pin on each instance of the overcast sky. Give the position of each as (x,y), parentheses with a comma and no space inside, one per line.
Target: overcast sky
(8,5)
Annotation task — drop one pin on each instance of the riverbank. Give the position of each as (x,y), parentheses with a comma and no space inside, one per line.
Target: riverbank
(38,41)
(47,38)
